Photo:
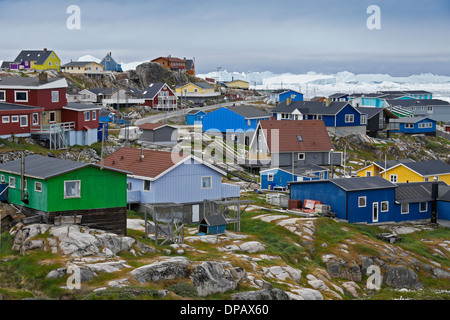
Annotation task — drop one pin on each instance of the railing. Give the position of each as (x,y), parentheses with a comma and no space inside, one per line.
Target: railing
(133,196)
(229,191)
(53,128)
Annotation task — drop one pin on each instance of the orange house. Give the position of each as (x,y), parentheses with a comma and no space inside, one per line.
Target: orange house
(176,64)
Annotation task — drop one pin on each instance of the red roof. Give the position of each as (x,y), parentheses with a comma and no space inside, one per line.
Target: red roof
(150,126)
(313,135)
(153,164)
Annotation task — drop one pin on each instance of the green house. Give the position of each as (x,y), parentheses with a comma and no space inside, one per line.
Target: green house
(54,187)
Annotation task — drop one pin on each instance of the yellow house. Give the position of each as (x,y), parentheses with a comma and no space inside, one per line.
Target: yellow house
(237,84)
(82,67)
(36,59)
(197,89)
(401,171)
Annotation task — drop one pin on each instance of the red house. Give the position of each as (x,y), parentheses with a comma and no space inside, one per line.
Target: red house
(85,120)
(16,119)
(160,96)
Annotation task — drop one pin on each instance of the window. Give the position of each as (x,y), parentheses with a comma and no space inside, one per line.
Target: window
(49,63)
(384,206)
(270,177)
(2,95)
(87,116)
(38,186)
(5,119)
(299,138)
(12,182)
(409,125)
(206,182)
(2,178)
(301,156)
(349,118)
(72,189)
(147,185)
(25,184)
(129,186)
(14,118)
(363,119)
(23,121)
(249,122)
(55,96)
(423,206)
(94,115)
(405,208)
(368,173)
(35,118)
(362,202)
(21,96)
(393,178)
(52,117)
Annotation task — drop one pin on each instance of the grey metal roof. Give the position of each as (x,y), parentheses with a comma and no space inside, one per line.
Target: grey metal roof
(410,119)
(11,106)
(80,106)
(312,107)
(417,103)
(39,56)
(415,191)
(77,63)
(215,220)
(304,170)
(152,89)
(6,64)
(103,91)
(25,81)
(249,112)
(45,167)
(195,111)
(431,167)
(392,163)
(365,183)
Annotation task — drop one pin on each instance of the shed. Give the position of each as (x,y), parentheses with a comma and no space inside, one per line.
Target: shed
(158,133)
(194,116)
(213,224)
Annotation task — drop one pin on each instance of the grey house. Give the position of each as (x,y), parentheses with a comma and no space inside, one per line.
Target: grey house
(158,133)
(377,119)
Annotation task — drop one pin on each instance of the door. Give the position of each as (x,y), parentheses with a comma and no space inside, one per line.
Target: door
(195,213)
(375,212)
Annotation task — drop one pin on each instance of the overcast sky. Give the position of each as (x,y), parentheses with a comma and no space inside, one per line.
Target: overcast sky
(294,36)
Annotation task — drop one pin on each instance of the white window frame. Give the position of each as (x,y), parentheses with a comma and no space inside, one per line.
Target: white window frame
(210,179)
(35,121)
(387,206)
(270,177)
(4,95)
(20,91)
(349,118)
(78,191)
(401,209)
(409,125)
(149,184)
(2,178)
(368,173)
(55,98)
(12,182)
(14,119)
(301,156)
(87,116)
(363,119)
(26,120)
(393,177)
(36,184)
(365,202)
(420,206)
(94,115)
(6,119)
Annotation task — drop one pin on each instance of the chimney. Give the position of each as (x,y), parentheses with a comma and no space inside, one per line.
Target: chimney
(142,154)
(45,49)
(288,101)
(42,77)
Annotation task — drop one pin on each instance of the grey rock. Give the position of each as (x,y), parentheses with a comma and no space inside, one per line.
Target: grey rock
(265,294)
(169,269)
(210,277)
(402,277)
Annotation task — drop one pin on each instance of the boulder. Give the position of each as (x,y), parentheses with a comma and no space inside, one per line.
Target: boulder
(265,294)
(307,294)
(210,277)
(172,268)
(402,277)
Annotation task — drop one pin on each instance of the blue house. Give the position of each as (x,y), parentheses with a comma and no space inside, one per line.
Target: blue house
(164,177)
(194,116)
(340,118)
(413,125)
(339,97)
(278,178)
(237,123)
(283,94)
(109,64)
(372,200)
(443,203)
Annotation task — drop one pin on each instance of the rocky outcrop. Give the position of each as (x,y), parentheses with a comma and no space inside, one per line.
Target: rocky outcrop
(265,294)
(402,277)
(210,277)
(172,268)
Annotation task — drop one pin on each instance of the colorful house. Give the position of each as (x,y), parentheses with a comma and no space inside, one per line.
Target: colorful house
(38,60)
(82,67)
(176,64)
(338,97)
(160,96)
(278,178)
(237,84)
(438,110)
(109,64)
(403,171)
(194,116)
(196,90)
(283,94)
(53,187)
(166,177)
(279,143)
(237,123)
(85,119)
(413,125)
(17,119)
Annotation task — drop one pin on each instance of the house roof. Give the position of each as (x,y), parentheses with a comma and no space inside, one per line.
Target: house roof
(215,220)
(31,82)
(373,111)
(79,63)
(415,191)
(314,135)
(312,107)
(75,106)
(195,111)
(152,89)
(103,91)
(4,106)
(301,170)
(249,112)
(39,56)
(365,183)
(411,119)
(428,168)
(46,167)
(391,163)
(417,102)
(338,95)
(153,126)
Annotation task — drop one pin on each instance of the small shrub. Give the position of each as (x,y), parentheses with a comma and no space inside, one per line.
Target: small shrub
(184,289)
